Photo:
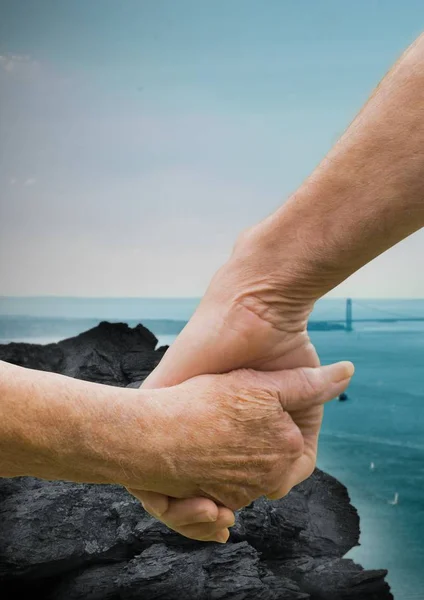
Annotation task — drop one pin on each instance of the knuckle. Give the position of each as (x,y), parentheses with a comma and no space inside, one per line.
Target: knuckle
(241,499)
(292,444)
(233,496)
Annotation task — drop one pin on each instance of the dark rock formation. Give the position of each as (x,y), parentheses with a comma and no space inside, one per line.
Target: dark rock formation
(109,353)
(65,541)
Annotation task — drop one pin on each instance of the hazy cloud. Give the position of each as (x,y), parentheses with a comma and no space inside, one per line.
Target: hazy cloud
(21,65)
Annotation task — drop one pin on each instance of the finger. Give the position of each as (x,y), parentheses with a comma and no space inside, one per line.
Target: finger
(226,517)
(202,531)
(208,531)
(306,387)
(205,533)
(182,512)
(154,503)
(187,511)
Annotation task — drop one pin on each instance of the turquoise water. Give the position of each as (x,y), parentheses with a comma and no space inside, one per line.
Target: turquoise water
(382,423)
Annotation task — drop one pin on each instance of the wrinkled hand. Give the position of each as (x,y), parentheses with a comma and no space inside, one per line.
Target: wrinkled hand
(249,317)
(233,439)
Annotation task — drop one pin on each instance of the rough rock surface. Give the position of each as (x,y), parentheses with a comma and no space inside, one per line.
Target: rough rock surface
(65,541)
(110,353)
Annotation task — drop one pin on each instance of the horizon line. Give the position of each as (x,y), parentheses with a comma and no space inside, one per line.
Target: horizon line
(67,297)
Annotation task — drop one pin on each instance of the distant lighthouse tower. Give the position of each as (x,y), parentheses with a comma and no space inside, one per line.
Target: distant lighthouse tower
(349,314)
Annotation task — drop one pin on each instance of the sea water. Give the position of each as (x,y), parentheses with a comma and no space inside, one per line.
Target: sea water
(373,443)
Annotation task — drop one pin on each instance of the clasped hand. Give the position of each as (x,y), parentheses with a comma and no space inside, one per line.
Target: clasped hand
(246,322)
(233,440)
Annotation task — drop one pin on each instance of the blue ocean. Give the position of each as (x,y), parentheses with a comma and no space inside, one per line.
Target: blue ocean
(373,443)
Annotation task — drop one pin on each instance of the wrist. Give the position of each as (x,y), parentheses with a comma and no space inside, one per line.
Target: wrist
(271,275)
(56,427)
(299,246)
(122,440)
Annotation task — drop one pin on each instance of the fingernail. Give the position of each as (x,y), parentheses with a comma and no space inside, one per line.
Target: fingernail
(222,536)
(340,371)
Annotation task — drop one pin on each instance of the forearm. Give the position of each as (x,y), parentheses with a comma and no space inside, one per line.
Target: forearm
(366,195)
(56,427)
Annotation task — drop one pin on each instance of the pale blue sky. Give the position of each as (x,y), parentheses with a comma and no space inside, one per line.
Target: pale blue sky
(138,138)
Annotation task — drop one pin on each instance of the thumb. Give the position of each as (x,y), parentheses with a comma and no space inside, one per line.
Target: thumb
(305,387)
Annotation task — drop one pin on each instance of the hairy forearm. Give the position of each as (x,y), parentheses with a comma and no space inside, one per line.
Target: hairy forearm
(56,427)
(365,196)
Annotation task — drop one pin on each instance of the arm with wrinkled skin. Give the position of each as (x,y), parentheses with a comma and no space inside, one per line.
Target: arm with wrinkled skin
(165,441)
